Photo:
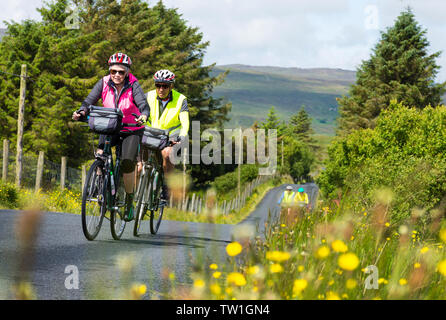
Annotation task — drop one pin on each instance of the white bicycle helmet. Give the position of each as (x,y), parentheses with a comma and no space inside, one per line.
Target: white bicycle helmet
(164,76)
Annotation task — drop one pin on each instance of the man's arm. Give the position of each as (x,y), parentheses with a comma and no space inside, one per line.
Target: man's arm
(184,119)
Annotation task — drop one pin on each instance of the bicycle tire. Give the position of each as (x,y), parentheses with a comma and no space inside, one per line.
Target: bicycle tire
(117,224)
(157,210)
(94,186)
(141,208)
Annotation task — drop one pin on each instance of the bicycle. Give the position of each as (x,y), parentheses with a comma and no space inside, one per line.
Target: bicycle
(105,191)
(151,180)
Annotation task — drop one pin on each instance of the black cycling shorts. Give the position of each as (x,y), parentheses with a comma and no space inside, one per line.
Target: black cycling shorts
(130,144)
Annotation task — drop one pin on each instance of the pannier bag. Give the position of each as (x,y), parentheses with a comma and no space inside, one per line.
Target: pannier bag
(106,121)
(155,139)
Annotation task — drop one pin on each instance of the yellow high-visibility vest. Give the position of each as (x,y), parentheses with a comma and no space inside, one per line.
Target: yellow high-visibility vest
(170,118)
(301,197)
(288,197)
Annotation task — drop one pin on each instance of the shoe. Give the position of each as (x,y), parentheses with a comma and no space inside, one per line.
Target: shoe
(128,213)
(164,193)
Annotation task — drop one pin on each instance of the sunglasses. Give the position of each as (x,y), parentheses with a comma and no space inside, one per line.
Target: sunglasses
(120,72)
(164,86)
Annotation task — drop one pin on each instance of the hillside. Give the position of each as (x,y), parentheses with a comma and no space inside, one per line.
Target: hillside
(253,90)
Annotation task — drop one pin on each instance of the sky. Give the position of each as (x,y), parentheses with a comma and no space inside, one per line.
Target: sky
(290,33)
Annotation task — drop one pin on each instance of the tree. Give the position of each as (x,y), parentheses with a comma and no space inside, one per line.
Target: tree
(399,68)
(300,126)
(272,121)
(65,64)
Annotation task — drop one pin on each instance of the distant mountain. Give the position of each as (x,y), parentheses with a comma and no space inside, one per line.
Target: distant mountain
(253,90)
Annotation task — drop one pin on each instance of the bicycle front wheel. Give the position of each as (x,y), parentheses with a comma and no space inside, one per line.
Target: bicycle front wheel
(93,201)
(156,212)
(117,223)
(141,203)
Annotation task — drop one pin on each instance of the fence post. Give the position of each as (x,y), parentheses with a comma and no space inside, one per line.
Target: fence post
(20,128)
(63,172)
(5,159)
(39,173)
(84,176)
(192,203)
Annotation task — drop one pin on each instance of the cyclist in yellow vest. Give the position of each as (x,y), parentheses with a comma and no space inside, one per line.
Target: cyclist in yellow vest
(168,110)
(301,197)
(287,197)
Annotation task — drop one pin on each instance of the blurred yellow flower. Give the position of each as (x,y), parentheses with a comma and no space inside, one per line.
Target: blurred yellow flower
(402,282)
(351,284)
(348,261)
(387,224)
(216,274)
(332,296)
(443,235)
(253,270)
(299,286)
(382,280)
(276,268)
(441,267)
(322,252)
(213,266)
(424,250)
(339,246)
(417,265)
(277,256)
(233,249)
(198,283)
(236,278)
(215,289)
(300,268)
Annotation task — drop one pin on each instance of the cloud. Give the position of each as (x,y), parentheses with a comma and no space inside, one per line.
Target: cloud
(290,33)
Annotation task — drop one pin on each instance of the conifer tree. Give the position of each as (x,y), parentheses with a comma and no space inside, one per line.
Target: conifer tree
(399,68)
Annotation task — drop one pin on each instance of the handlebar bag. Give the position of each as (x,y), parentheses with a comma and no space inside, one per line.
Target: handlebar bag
(155,139)
(105,121)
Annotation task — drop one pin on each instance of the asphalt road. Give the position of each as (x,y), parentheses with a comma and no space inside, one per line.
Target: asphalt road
(61,253)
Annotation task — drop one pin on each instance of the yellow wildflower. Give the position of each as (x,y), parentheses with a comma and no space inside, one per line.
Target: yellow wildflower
(387,224)
(233,249)
(213,266)
(424,250)
(417,265)
(215,289)
(198,283)
(322,252)
(441,267)
(236,278)
(299,286)
(277,256)
(253,270)
(216,274)
(348,261)
(443,235)
(332,296)
(300,268)
(276,268)
(402,282)
(351,284)
(339,246)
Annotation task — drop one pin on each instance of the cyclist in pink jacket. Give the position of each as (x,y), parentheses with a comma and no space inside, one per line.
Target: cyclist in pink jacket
(120,89)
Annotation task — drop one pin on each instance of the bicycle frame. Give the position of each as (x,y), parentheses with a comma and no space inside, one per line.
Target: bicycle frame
(152,172)
(112,171)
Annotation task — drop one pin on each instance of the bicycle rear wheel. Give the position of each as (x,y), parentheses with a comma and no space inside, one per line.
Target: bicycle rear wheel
(93,202)
(141,203)
(156,212)
(117,223)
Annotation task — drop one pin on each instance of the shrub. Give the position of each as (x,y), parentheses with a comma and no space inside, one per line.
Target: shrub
(8,195)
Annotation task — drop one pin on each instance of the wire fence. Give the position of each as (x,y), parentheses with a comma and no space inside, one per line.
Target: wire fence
(51,177)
